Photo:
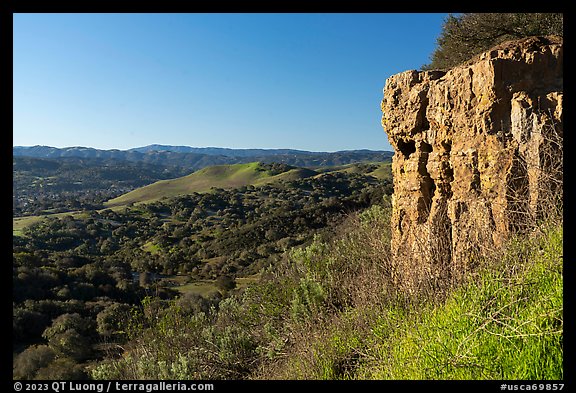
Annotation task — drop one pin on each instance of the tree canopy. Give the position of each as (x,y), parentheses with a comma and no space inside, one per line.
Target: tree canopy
(466,35)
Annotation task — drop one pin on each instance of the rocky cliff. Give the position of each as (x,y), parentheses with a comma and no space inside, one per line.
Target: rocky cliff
(476,153)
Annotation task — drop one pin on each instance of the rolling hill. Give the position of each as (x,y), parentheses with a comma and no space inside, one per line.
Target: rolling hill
(69,180)
(219,176)
(379,170)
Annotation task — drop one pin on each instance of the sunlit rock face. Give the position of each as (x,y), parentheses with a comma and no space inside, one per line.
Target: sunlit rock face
(471,147)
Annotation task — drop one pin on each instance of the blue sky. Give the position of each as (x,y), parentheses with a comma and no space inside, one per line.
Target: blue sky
(301,81)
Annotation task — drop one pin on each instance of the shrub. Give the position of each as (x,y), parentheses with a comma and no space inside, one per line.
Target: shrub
(62,369)
(110,320)
(68,336)
(225,283)
(28,362)
(307,299)
(177,345)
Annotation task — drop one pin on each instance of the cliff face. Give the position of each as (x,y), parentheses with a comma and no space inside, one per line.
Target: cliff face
(472,146)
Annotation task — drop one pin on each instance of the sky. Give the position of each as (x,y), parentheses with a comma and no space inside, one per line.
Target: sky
(301,81)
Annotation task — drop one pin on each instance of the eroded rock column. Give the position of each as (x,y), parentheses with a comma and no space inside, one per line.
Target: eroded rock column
(471,145)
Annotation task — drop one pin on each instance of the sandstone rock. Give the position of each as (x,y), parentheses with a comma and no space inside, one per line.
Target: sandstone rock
(471,147)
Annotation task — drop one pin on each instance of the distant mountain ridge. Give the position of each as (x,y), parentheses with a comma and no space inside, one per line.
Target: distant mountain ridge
(195,158)
(217,151)
(78,151)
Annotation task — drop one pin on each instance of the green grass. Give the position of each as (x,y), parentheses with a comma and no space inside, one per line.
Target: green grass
(19,223)
(384,171)
(152,248)
(220,176)
(506,325)
(204,288)
(228,177)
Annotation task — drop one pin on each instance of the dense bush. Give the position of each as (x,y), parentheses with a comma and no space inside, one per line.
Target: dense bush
(97,266)
(331,310)
(258,326)
(33,358)
(466,35)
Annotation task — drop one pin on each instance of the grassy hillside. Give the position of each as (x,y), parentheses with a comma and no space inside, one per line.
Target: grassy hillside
(507,323)
(19,223)
(503,325)
(331,310)
(383,171)
(379,170)
(220,176)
